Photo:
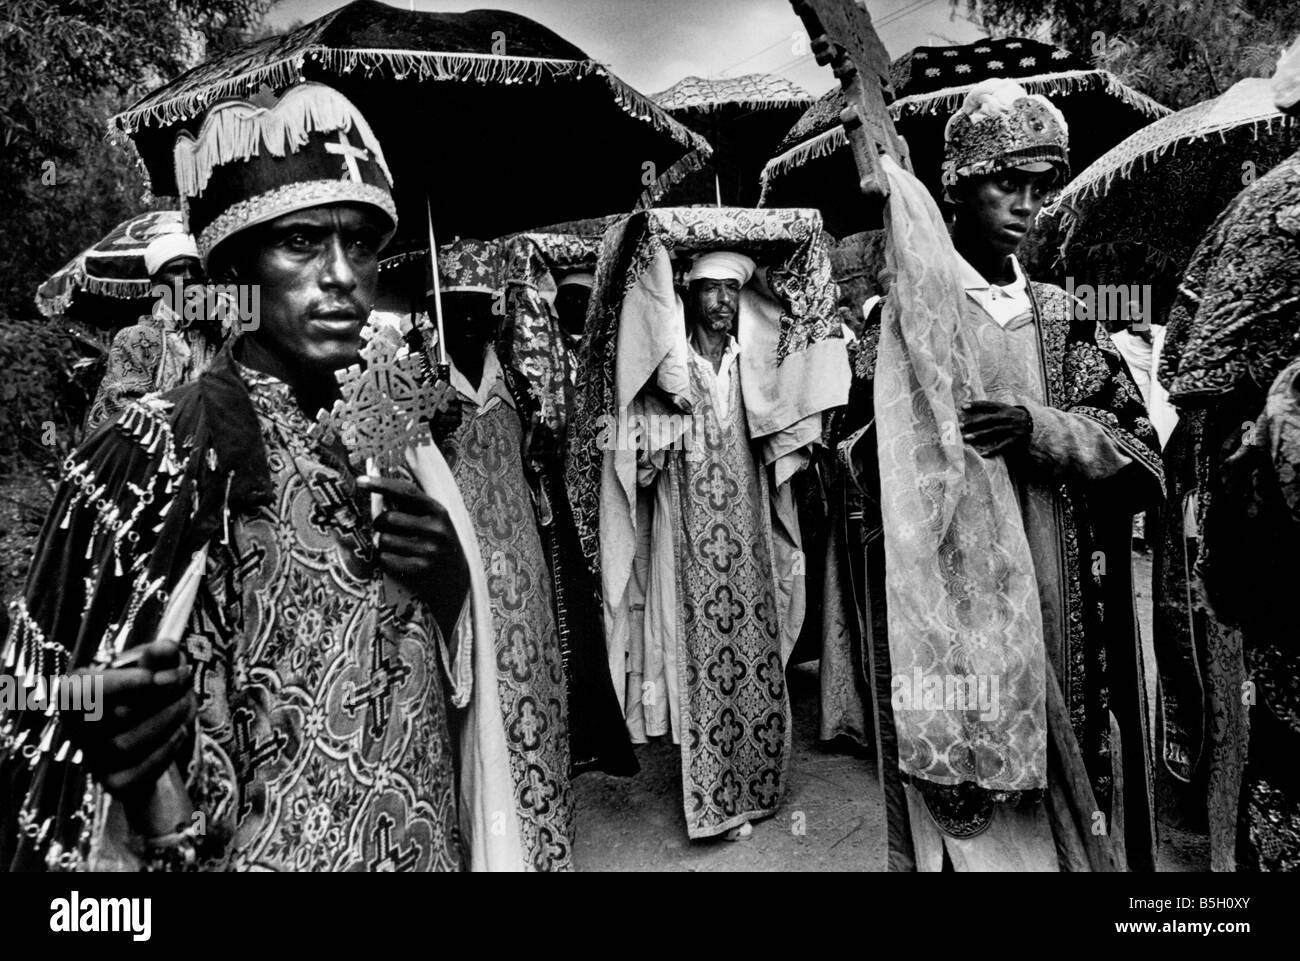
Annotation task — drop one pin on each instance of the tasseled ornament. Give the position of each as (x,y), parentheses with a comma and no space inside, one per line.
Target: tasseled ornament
(240,131)
(47,736)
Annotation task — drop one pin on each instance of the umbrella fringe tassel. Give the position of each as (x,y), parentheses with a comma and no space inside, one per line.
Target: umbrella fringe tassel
(692,162)
(401,64)
(951,98)
(1065,204)
(822,145)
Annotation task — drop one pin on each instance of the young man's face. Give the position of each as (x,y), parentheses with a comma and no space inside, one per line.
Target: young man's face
(998,210)
(713,303)
(318,269)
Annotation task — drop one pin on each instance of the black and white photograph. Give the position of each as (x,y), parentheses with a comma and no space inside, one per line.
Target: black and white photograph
(651,436)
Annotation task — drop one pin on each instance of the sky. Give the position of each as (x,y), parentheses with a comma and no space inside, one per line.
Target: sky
(652,44)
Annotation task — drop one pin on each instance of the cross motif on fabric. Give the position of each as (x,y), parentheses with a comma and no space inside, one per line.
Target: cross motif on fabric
(389,857)
(249,564)
(376,694)
(350,156)
(507,581)
(723,609)
(721,548)
(718,486)
(245,566)
(253,754)
(527,728)
(335,509)
(201,646)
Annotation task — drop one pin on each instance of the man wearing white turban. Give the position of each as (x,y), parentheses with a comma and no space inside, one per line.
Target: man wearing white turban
(713,563)
(161,350)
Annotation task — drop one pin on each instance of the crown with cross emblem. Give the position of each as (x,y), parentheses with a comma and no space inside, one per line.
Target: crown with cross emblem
(250,163)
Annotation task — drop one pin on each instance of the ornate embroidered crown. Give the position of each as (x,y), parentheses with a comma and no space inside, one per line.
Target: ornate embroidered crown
(470,265)
(250,163)
(1001,126)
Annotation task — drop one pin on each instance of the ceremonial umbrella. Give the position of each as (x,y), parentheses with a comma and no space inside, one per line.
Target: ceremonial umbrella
(743,119)
(1138,212)
(813,166)
(107,284)
(501,121)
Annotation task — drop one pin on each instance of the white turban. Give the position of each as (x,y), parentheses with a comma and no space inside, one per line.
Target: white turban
(168,247)
(722,265)
(583,277)
(1286,80)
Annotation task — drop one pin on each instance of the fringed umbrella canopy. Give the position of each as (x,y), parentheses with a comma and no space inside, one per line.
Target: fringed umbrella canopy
(1137,213)
(502,121)
(106,284)
(811,165)
(743,118)
(752,91)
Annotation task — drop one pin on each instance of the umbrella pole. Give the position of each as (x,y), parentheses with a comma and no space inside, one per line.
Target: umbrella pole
(717,187)
(444,369)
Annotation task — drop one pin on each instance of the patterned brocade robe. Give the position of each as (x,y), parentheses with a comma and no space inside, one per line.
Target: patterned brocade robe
(486,456)
(156,354)
(324,741)
(712,635)
(322,738)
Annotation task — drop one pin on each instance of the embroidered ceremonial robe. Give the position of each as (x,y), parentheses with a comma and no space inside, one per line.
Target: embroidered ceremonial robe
(1091,463)
(322,739)
(708,663)
(487,461)
(156,354)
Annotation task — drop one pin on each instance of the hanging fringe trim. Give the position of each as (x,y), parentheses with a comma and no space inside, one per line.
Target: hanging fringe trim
(400,64)
(121,289)
(238,132)
(79,281)
(643,108)
(760,103)
(689,164)
(822,145)
(1100,176)
(949,99)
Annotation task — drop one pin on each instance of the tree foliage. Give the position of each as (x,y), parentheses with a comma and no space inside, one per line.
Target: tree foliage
(1178,51)
(66,66)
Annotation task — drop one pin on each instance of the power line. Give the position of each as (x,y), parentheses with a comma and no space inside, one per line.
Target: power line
(753,55)
(903,12)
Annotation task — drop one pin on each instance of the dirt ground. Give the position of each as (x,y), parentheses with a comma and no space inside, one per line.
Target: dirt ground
(832,818)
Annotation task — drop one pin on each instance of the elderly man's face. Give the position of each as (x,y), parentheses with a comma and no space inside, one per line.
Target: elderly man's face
(318,269)
(1000,209)
(713,303)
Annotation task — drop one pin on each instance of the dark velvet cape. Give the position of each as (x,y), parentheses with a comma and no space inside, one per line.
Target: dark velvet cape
(141,495)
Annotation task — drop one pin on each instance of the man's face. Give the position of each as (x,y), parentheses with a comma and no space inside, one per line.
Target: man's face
(1000,209)
(184,269)
(318,269)
(468,319)
(713,303)
(571,304)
